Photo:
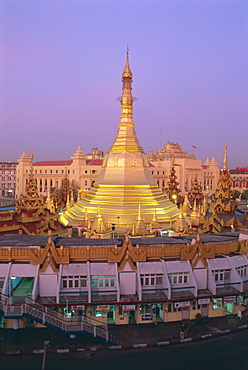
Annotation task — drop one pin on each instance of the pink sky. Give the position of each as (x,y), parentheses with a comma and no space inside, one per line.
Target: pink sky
(61,65)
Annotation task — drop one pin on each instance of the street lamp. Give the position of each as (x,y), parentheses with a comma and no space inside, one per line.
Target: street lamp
(11,287)
(118,218)
(113,230)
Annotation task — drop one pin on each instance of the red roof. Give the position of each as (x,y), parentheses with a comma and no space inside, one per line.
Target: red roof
(95,162)
(53,163)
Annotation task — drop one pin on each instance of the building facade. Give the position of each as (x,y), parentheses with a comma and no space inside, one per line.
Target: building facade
(239,177)
(85,168)
(8,179)
(187,168)
(140,280)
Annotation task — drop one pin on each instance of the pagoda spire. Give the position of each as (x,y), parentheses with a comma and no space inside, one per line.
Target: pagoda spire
(127,99)
(224,185)
(125,179)
(225,157)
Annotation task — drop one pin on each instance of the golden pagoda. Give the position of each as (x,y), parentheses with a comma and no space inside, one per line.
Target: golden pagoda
(125,187)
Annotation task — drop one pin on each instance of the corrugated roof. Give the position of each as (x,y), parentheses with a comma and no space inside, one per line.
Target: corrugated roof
(84,242)
(157,241)
(53,163)
(23,240)
(95,162)
(215,238)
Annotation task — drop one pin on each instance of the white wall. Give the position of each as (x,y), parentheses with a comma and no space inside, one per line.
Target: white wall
(48,285)
(201,278)
(127,282)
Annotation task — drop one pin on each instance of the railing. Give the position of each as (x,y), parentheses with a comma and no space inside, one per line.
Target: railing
(53,318)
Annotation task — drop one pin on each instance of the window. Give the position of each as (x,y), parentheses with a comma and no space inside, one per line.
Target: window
(179,278)
(51,171)
(45,171)
(121,311)
(172,308)
(146,309)
(221,275)
(103,281)
(217,303)
(195,305)
(93,171)
(151,279)
(242,270)
(74,282)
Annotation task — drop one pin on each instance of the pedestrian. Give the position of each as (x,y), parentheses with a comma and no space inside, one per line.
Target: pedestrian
(186,329)
(182,331)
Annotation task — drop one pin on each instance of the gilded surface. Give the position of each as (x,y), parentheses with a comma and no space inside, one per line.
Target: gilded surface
(125,179)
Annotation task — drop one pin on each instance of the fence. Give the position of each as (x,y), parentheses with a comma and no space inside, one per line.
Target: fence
(47,316)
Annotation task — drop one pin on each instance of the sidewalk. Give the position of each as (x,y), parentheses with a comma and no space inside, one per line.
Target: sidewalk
(31,340)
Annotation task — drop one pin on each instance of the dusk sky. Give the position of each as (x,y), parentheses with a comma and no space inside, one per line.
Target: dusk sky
(60,74)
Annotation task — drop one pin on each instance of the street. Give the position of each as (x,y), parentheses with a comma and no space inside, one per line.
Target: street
(226,352)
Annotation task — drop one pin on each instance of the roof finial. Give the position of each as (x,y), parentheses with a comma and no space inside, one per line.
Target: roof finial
(127,71)
(31,157)
(225,157)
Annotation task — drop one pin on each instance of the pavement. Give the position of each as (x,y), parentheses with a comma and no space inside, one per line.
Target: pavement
(31,340)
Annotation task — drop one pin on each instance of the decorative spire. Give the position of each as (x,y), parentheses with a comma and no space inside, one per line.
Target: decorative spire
(225,157)
(186,205)
(224,185)
(125,179)
(126,98)
(172,190)
(31,157)
(139,212)
(127,71)
(195,192)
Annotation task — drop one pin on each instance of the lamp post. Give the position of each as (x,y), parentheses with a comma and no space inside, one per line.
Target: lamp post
(118,218)
(10,290)
(113,230)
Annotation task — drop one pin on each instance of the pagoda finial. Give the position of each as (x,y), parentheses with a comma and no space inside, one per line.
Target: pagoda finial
(225,157)
(139,212)
(31,157)
(127,71)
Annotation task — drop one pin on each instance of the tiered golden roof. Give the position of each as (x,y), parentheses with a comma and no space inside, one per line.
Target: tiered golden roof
(125,185)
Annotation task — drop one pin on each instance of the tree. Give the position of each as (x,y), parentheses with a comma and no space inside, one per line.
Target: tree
(245,195)
(236,194)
